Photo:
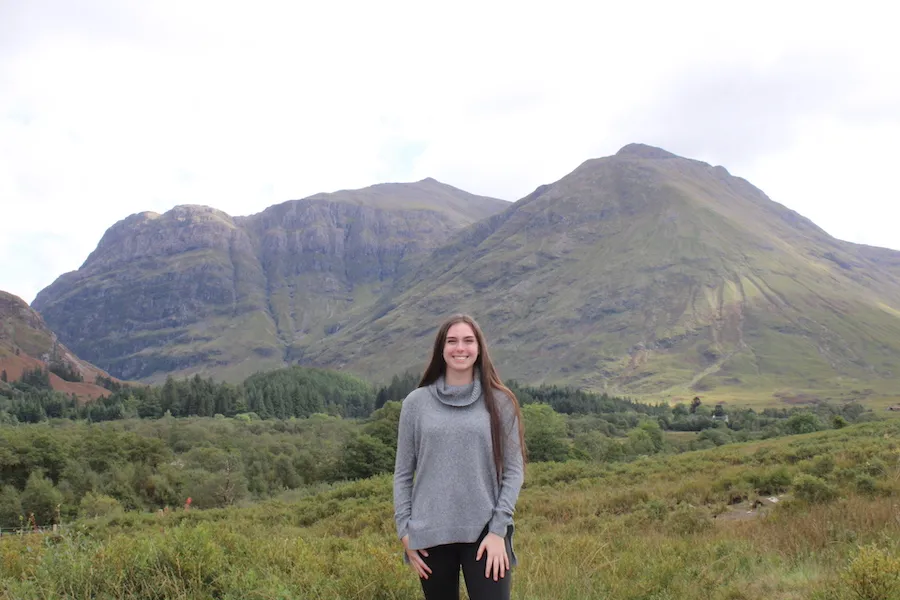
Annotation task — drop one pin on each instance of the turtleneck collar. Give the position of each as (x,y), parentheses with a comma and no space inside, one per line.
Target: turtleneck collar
(457,395)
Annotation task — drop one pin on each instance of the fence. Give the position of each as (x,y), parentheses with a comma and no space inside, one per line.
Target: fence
(26,530)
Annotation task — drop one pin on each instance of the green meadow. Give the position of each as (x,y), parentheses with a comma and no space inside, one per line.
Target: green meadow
(695,525)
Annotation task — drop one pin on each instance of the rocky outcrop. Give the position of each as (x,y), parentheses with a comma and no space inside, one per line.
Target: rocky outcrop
(197,290)
(150,280)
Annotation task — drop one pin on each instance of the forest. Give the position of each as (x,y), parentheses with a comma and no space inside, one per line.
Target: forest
(151,448)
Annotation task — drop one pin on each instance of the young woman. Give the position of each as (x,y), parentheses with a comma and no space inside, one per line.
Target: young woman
(460,465)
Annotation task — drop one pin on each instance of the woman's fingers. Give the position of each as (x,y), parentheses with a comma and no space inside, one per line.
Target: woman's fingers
(480,552)
(419,565)
(420,569)
(426,570)
(423,563)
(496,565)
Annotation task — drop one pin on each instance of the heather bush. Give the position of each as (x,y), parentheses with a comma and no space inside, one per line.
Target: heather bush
(873,574)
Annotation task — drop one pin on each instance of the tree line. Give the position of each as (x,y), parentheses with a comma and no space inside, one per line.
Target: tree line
(280,394)
(298,392)
(152,447)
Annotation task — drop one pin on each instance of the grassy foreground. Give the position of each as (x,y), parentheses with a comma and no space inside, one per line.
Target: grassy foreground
(663,528)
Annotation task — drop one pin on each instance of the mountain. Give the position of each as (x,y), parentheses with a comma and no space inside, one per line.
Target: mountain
(651,274)
(641,273)
(196,290)
(26,343)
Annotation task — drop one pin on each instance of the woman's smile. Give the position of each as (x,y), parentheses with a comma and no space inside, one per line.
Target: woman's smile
(460,349)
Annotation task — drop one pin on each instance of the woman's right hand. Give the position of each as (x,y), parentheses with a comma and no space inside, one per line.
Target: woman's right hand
(415,559)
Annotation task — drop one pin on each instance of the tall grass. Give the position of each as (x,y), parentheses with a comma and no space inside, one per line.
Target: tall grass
(655,529)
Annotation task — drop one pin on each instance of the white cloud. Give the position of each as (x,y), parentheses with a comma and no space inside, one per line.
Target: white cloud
(119,107)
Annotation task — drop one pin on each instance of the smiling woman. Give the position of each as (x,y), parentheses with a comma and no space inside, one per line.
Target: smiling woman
(460,352)
(460,466)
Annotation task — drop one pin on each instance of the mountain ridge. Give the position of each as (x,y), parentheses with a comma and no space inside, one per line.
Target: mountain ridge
(196,287)
(641,273)
(778,223)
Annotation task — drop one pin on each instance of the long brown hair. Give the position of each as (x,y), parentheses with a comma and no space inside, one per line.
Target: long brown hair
(490,382)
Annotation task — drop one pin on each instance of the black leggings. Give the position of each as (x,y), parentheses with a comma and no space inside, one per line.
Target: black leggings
(443,581)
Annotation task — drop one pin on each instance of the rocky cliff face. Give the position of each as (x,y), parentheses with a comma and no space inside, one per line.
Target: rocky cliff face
(133,305)
(195,290)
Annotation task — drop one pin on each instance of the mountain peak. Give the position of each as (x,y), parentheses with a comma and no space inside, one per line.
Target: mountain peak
(644,151)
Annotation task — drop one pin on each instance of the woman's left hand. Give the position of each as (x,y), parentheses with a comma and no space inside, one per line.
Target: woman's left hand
(497,559)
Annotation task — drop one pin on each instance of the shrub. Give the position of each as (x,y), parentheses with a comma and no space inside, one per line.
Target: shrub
(567,472)
(805,422)
(10,507)
(656,510)
(66,371)
(98,505)
(866,484)
(719,437)
(875,468)
(813,489)
(820,467)
(688,520)
(545,433)
(365,456)
(37,378)
(873,574)
(41,498)
(772,481)
(625,501)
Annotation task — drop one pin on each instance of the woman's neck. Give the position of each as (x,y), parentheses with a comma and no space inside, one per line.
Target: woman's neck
(457,378)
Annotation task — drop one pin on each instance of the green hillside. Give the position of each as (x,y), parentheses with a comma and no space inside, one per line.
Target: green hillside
(648,274)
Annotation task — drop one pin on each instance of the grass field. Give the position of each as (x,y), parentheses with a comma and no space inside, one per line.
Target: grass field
(662,528)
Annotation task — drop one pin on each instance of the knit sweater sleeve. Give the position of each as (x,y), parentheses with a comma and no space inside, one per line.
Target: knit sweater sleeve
(404,467)
(513,470)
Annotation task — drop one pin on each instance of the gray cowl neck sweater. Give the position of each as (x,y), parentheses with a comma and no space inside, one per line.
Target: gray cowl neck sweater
(446,488)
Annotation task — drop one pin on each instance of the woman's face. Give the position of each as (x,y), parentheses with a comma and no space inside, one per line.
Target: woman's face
(461,348)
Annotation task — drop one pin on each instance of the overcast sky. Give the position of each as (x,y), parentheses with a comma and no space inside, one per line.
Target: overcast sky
(108,108)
